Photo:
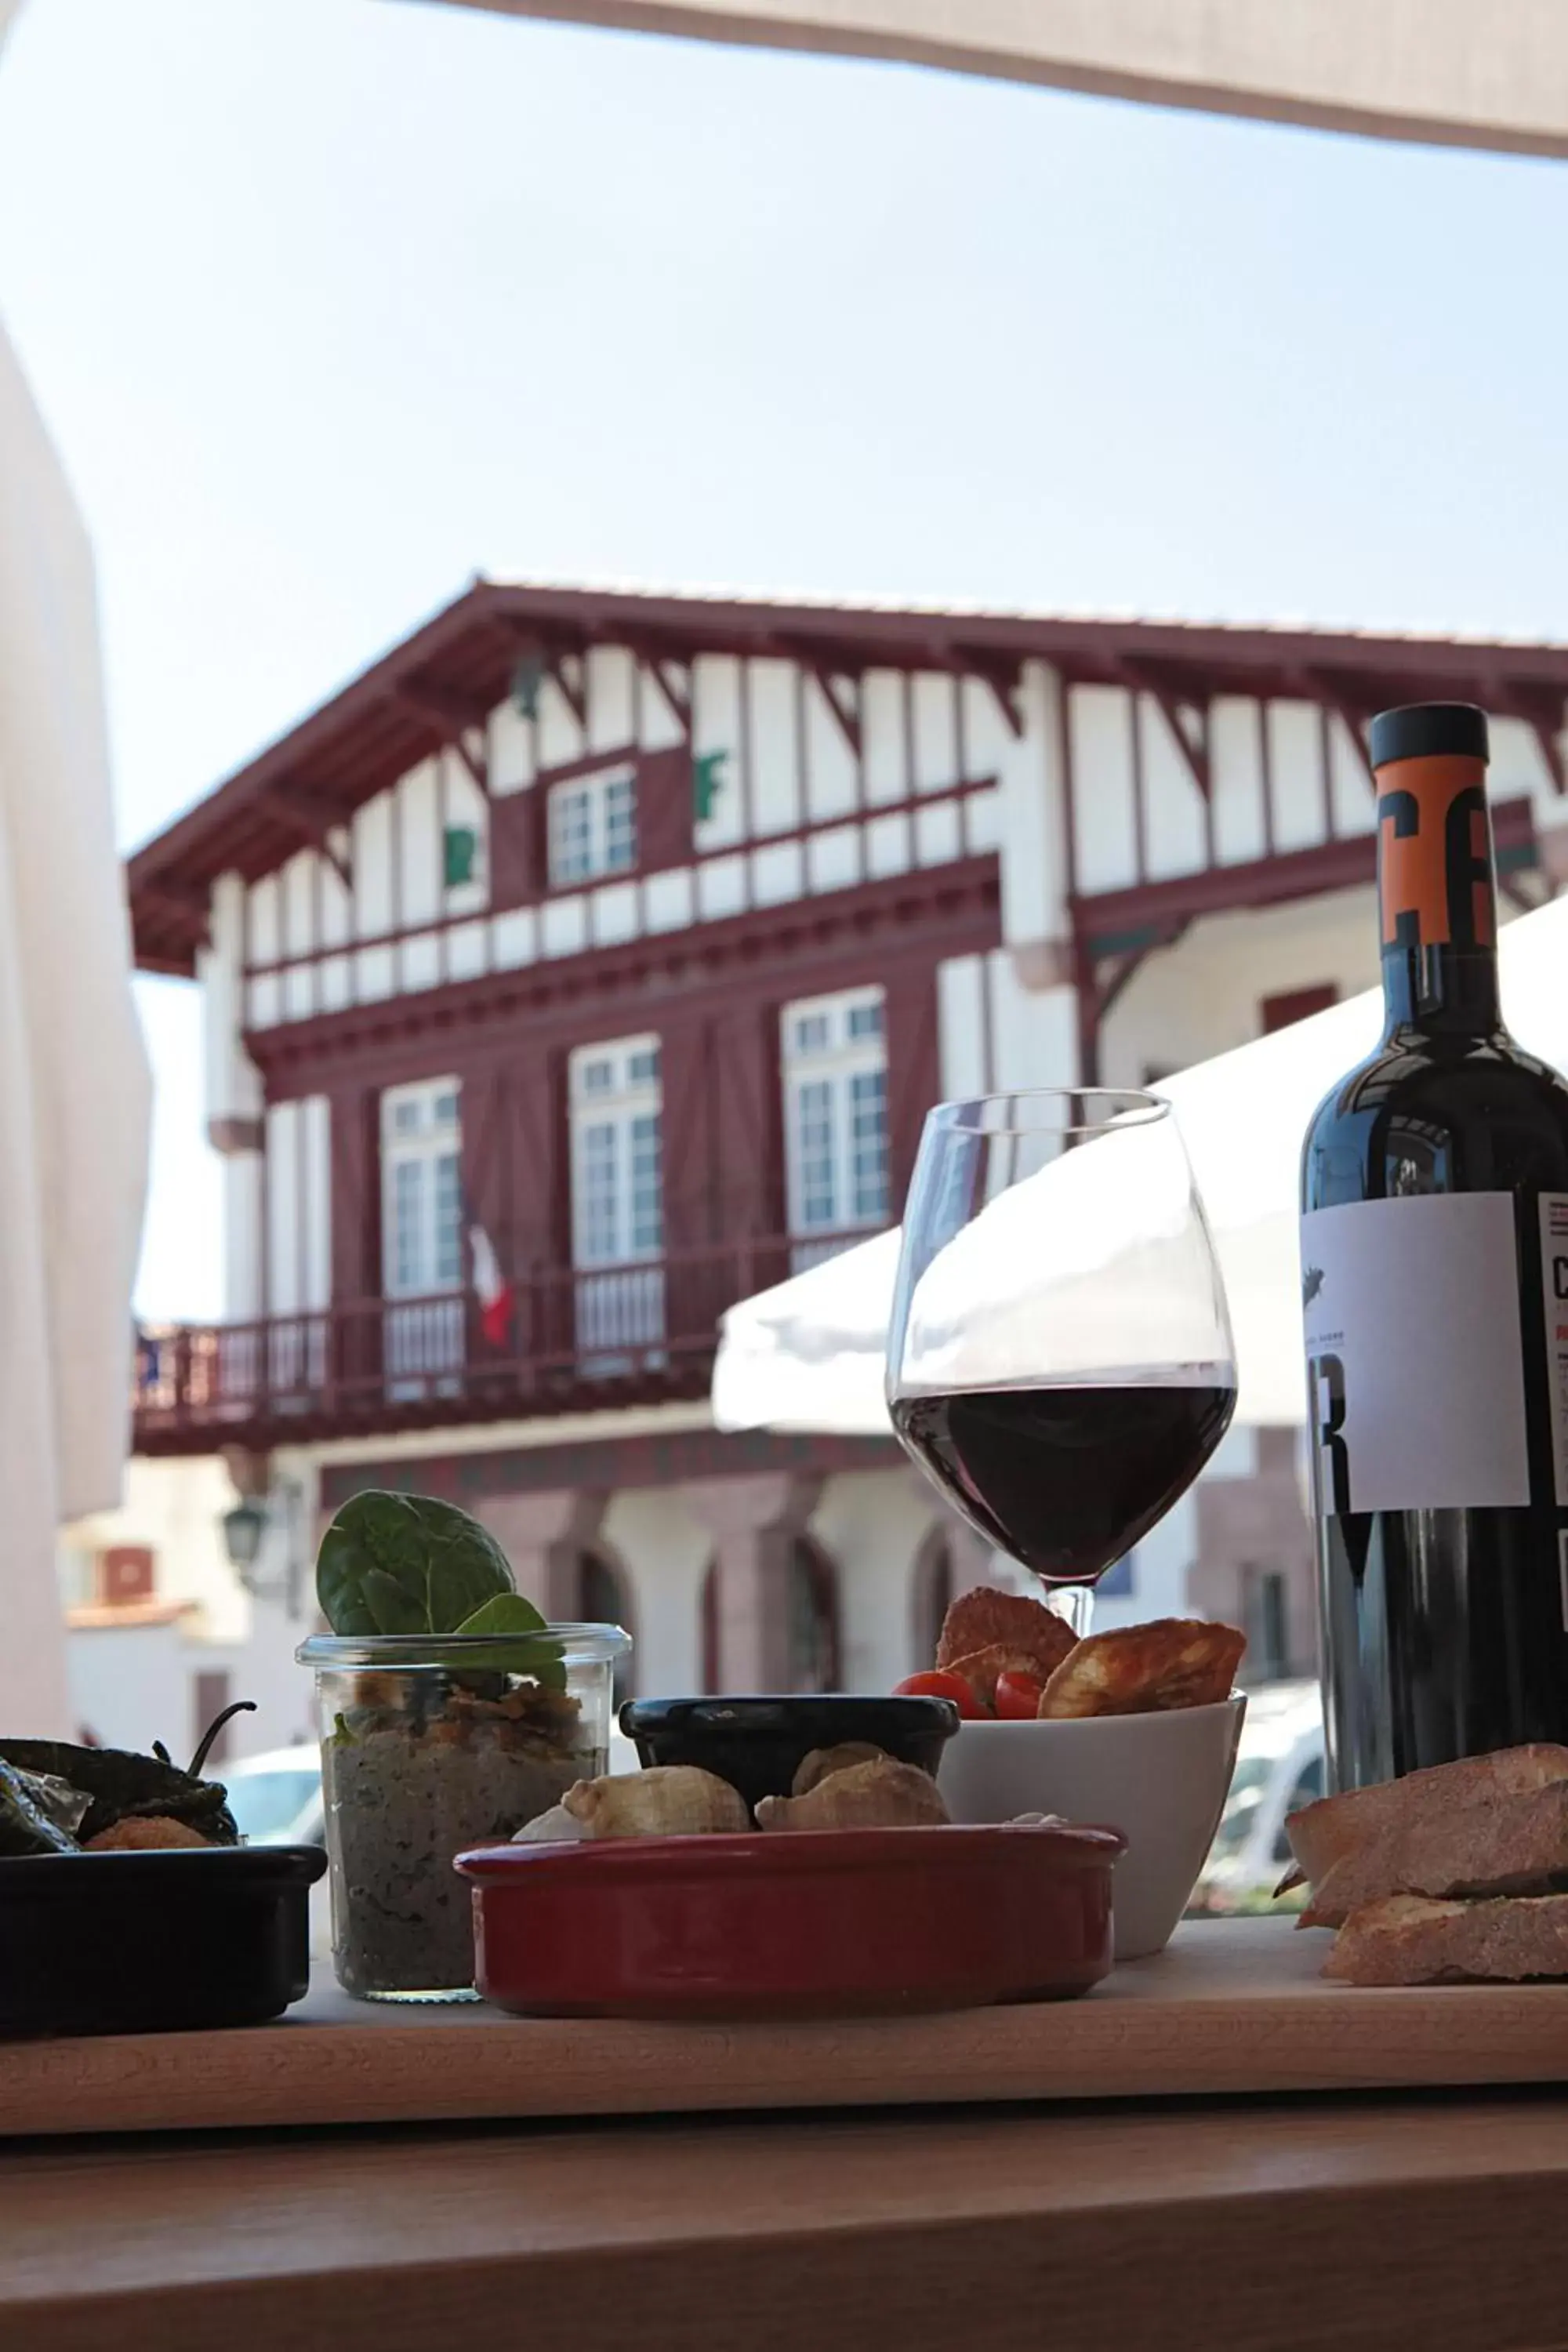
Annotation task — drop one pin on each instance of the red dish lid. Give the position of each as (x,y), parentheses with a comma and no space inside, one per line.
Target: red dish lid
(793,1853)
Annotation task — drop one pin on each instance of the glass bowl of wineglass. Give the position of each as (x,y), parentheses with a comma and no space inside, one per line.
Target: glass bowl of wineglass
(1060,1359)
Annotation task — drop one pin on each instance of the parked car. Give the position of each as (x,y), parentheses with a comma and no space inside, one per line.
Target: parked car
(1279,1769)
(276,1799)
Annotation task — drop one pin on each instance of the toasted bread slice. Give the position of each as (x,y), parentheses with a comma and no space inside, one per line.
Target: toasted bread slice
(1376,1826)
(987,1619)
(1171,1662)
(1407,1940)
(1485,1845)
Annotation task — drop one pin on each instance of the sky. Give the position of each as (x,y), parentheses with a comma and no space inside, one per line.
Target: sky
(332,303)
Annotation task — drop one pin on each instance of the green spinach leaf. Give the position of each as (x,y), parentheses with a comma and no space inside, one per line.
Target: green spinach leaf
(515,1624)
(506,1612)
(393,1607)
(407,1564)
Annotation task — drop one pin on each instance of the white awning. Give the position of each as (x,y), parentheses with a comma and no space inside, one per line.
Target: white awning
(807,1355)
(74,1086)
(1428,69)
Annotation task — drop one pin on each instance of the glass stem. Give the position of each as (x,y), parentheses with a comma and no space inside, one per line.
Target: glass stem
(1073,1601)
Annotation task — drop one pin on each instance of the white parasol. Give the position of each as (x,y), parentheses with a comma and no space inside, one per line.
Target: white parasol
(74,1087)
(808,1354)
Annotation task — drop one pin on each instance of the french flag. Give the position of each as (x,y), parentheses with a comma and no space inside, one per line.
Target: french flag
(496,1295)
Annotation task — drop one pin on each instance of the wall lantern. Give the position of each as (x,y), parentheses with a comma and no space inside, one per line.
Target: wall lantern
(243,1528)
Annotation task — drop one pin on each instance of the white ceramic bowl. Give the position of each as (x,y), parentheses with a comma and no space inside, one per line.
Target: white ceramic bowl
(1159,1778)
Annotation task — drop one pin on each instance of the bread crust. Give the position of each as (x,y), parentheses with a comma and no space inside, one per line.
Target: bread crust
(1486,1824)
(1171,1662)
(1409,1939)
(1488,1845)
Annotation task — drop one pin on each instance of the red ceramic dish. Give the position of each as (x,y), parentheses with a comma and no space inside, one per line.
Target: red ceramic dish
(801,1923)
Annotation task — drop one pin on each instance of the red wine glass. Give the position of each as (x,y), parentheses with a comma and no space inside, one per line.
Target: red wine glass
(1059,1360)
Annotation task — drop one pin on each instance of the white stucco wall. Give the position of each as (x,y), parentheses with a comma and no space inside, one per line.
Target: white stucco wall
(134,1684)
(233,1084)
(124,1676)
(299,1206)
(871,1523)
(664,1554)
(173,1507)
(242,1190)
(1204,994)
(996,1033)
(787,764)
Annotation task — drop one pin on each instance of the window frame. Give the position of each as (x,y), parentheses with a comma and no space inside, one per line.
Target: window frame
(830,1066)
(427,1143)
(613,852)
(631,1097)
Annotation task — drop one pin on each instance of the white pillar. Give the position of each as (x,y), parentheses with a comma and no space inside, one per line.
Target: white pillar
(541,1535)
(752,1521)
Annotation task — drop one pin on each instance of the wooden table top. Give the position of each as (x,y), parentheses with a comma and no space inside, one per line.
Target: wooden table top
(1236,2007)
(1373,2223)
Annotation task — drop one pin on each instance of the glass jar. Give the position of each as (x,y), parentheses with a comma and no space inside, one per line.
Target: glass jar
(430,1744)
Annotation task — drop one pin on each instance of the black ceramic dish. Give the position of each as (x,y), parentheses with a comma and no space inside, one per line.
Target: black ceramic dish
(155,1941)
(758,1744)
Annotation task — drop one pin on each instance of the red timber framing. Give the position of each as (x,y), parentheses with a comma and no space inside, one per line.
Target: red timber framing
(437,688)
(714,995)
(607,1466)
(508,893)
(1114,930)
(713,989)
(295,1380)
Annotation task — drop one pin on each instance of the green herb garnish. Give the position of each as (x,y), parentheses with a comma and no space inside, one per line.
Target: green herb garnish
(407,1564)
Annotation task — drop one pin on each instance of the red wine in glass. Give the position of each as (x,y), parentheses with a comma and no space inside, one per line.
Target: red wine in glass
(1067,1478)
(1060,1359)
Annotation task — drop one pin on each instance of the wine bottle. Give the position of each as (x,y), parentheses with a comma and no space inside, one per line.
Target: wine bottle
(1435,1290)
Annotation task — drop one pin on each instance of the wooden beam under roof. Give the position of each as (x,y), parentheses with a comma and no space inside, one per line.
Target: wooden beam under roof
(358,742)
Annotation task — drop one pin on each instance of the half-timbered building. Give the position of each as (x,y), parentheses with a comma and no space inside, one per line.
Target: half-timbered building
(591,961)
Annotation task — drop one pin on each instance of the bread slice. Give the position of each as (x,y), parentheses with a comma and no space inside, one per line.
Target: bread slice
(987,1619)
(1485,1825)
(1486,1844)
(1408,1941)
(1164,1662)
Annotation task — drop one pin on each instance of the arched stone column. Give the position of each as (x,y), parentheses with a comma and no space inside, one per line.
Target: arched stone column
(541,1535)
(752,1521)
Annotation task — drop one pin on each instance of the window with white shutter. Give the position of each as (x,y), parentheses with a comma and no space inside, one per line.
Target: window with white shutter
(835,1062)
(617,1193)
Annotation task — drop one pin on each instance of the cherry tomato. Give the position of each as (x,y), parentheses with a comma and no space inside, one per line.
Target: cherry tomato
(936,1684)
(1018,1698)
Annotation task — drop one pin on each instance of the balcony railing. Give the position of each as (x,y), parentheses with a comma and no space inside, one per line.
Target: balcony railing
(577,1337)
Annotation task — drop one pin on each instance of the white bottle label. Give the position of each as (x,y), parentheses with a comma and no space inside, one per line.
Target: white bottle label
(1414,1367)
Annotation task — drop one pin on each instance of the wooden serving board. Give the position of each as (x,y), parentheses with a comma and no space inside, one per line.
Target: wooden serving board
(1232,2007)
